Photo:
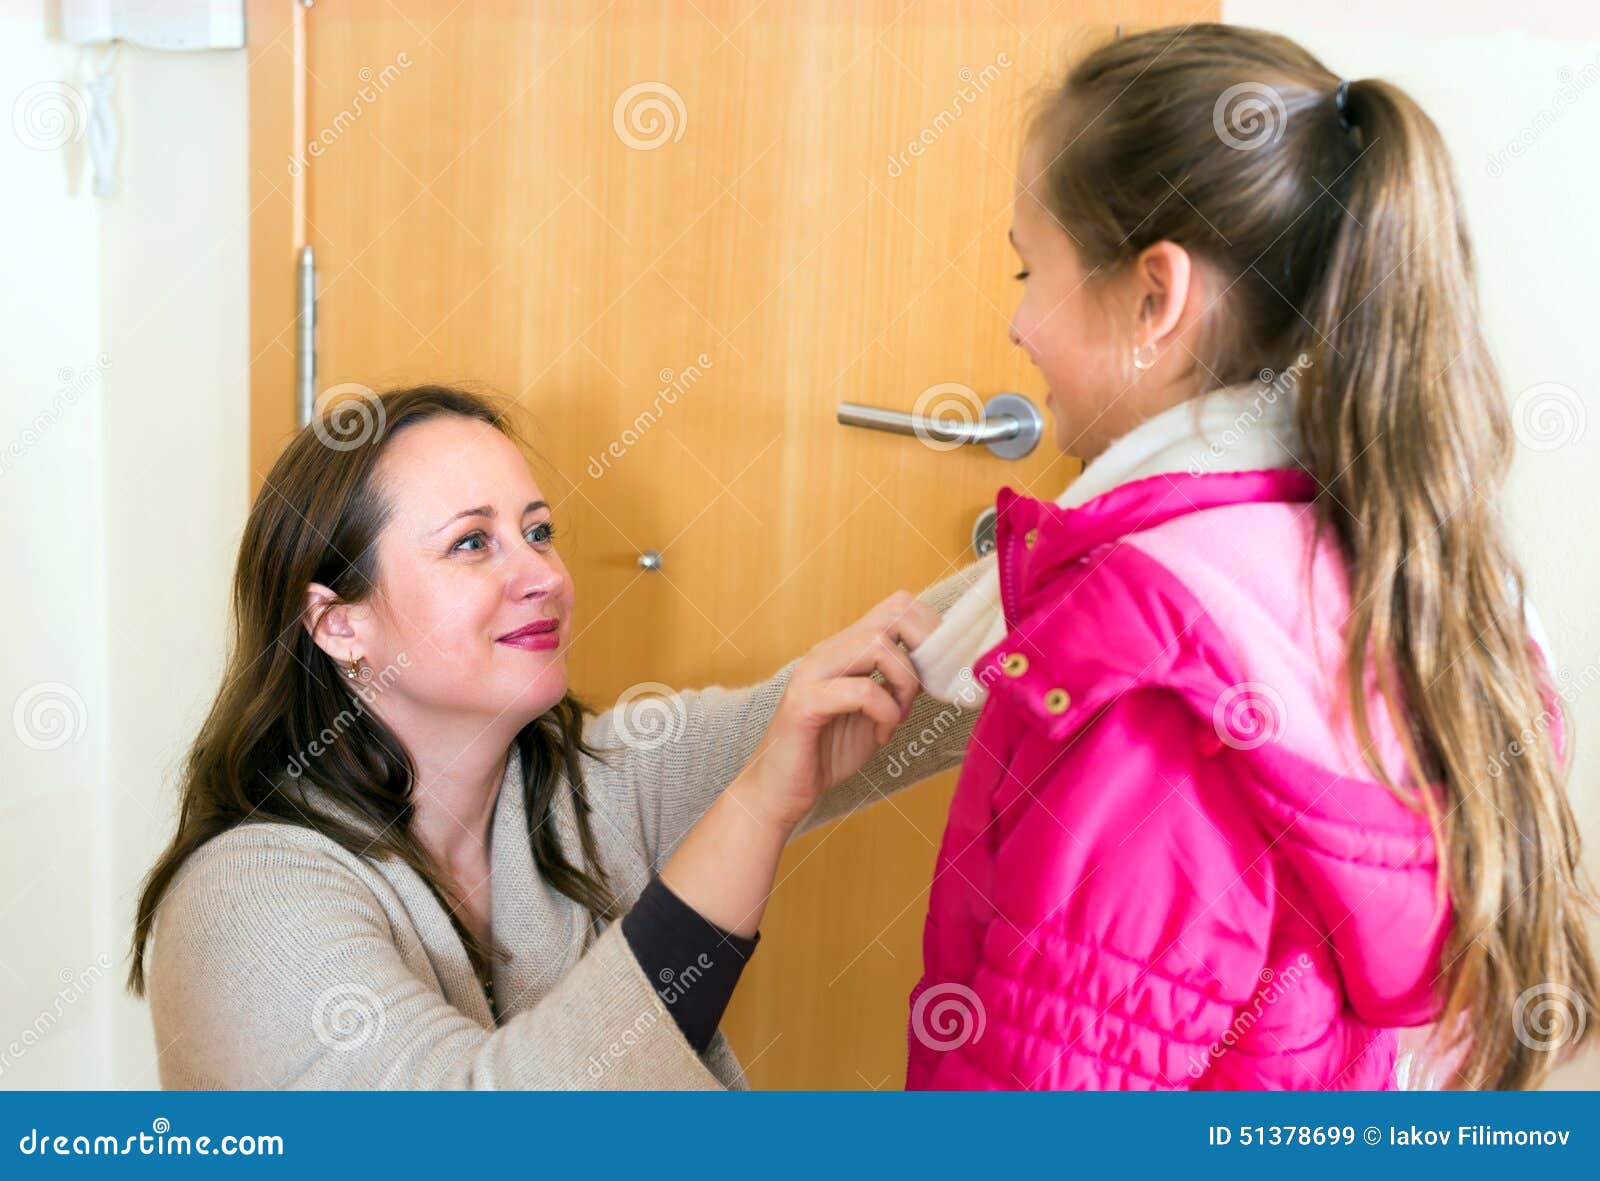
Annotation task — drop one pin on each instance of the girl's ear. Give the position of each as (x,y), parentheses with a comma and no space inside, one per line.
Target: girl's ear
(329,622)
(1163,273)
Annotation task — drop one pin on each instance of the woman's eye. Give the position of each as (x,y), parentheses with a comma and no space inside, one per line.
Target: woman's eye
(540,534)
(1020,275)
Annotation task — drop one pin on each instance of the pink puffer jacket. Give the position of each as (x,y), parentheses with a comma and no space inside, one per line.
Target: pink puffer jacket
(1166,864)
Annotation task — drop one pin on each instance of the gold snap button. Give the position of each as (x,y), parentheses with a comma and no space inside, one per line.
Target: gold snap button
(1014,665)
(1057,700)
(1030,537)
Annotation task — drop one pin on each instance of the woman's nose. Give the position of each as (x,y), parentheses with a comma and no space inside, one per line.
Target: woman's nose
(537,575)
(1011,331)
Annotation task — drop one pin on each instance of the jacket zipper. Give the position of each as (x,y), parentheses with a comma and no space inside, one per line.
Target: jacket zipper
(1007,584)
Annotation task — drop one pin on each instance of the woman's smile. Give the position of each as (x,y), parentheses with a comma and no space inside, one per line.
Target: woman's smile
(539,636)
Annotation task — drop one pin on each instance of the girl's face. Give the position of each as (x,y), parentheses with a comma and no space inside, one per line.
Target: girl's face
(1080,328)
(465,560)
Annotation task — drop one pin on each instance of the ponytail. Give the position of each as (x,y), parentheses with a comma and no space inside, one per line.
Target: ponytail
(1405,422)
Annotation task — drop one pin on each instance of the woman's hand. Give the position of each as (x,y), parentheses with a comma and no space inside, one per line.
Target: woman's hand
(834,715)
(831,719)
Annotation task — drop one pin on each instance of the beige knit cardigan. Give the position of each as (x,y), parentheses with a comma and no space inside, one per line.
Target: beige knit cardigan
(278,959)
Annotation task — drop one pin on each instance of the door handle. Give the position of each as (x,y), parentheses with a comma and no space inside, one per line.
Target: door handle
(1010,426)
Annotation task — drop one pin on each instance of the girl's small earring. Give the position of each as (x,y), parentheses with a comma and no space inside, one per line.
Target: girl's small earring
(353,669)
(1142,360)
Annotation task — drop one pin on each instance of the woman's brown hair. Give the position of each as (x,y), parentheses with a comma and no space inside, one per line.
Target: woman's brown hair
(1336,229)
(317,519)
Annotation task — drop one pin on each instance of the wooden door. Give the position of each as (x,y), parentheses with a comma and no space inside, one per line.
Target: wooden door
(680,234)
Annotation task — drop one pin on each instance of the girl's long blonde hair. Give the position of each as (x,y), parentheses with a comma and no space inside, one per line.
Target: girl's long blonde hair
(1346,244)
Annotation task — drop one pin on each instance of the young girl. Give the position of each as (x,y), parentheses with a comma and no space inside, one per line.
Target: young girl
(1269,767)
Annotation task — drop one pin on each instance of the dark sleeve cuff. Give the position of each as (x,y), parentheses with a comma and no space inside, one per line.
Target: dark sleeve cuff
(692,963)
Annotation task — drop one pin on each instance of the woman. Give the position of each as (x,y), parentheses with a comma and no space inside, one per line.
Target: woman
(407,857)
(1270,768)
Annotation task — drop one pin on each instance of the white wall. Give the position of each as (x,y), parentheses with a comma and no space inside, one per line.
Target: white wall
(52,597)
(1493,75)
(174,262)
(123,323)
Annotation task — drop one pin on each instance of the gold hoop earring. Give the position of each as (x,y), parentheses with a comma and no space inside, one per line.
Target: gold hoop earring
(353,669)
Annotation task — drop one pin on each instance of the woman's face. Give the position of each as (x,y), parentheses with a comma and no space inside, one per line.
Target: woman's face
(1079,329)
(465,560)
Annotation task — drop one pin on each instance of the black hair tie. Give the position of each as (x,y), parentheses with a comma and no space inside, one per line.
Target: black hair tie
(1341,97)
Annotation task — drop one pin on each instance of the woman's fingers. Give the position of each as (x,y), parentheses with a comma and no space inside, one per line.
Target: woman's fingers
(873,644)
(842,696)
(862,650)
(905,617)
(839,670)
(899,674)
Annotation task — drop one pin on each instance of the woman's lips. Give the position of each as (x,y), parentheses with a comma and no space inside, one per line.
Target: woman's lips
(534,641)
(541,635)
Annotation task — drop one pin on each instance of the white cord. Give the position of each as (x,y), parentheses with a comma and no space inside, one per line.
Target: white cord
(103,125)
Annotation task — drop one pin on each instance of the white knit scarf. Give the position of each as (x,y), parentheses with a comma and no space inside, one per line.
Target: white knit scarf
(1243,427)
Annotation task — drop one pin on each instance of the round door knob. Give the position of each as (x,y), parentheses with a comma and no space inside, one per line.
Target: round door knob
(983,533)
(650,560)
